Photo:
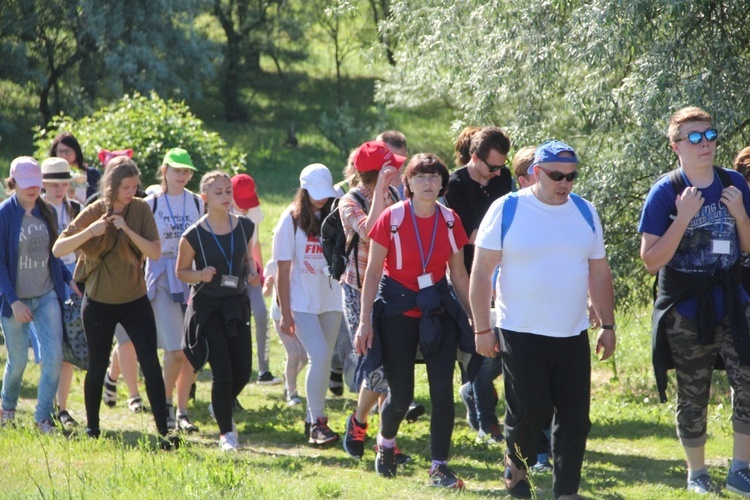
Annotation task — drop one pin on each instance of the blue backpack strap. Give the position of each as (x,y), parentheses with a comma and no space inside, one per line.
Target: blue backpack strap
(509,211)
(583,207)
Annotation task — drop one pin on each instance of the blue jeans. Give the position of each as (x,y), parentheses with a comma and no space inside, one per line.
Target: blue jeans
(484,389)
(49,328)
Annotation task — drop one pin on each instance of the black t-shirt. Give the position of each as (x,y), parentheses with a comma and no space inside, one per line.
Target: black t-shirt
(470,200)
(203,241)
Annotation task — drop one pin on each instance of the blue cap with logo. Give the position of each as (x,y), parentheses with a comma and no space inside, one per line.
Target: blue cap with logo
(551,152)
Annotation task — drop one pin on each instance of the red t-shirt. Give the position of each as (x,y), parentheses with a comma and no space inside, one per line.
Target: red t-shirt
(410,255)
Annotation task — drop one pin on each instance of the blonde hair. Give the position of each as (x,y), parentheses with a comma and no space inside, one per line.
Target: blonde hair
(161,175)
(209,178)
(685,115)
(117,169)
(523,158)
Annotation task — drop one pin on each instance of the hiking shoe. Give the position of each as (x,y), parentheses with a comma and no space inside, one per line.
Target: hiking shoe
(293,400)
(385,461)
(354,438)
(7,417)
(66,420)
(109,396)
(135,404)
(493,434)
(320,433)
(185,425)
(515,480)
(442,477)
(228,443)
(415,411)
(401,458)
(46,426)
(171,420)
(267,378)
(542,464)
(336,383)
(467,396)
(739,482)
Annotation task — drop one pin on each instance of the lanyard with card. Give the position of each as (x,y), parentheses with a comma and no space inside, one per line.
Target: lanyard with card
(227,280)
(425,280)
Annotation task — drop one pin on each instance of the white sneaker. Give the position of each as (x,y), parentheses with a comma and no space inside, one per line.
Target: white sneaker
(293,400)
(228,442)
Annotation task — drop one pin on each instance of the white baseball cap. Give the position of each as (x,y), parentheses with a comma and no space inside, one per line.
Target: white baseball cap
(318,181)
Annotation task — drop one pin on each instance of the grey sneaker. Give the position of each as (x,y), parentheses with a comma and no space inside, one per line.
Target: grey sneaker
(7,417)
(46,426)
(703,484)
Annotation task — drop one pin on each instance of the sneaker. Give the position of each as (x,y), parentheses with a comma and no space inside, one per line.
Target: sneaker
(401,458)
(354,438)
(7,417)
(135,404)
(109,396)
(66,420)
(515,480)
(336,383)
(441,476)
(171,420)
(320,433)
(739,482)
(385,461)
(46,426)
(93,433)
(542,464)
(467,396)
(185,425)
(415,411)
(703,484)
(267,378)
(228,443)
(493,434)
(293,400)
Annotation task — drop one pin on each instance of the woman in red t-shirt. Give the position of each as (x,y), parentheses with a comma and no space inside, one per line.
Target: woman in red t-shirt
(416,307)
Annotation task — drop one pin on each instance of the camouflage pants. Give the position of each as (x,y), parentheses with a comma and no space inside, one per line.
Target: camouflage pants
(694,365)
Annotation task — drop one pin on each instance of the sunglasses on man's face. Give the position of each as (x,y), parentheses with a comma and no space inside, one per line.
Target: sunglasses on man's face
(558,176)
(697,137)
(494,168)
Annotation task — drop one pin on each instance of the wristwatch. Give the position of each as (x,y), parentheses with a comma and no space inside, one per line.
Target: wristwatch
(609,327)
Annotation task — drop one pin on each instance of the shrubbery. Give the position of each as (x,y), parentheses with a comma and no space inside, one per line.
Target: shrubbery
(150,126)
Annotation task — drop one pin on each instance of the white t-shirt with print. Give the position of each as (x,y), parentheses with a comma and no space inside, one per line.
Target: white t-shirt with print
(311,291)
(173,215)
(543,282)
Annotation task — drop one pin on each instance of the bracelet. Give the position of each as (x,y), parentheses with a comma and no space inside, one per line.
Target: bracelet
(488,330)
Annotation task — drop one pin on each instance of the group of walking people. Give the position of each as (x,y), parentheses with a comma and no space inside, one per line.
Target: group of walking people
(471,269)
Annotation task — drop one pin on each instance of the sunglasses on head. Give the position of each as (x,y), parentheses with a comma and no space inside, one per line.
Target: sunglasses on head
(558,176)
(697,137)
(494,168)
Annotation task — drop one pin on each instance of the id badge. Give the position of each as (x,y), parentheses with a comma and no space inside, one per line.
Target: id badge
(230,281)
(720,246)
(425,281)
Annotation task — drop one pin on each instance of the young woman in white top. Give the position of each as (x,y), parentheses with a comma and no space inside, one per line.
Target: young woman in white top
(310,302)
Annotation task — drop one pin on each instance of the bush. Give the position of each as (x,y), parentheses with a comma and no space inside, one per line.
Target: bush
(150,126)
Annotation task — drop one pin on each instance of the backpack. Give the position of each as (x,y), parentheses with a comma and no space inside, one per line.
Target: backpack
(333,241)
(511,202)
(397,217)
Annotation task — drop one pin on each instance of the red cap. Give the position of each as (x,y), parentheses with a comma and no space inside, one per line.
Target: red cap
(373,155)
(243,191)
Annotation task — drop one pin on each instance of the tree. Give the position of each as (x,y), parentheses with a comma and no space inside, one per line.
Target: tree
(604,76)
(150,126)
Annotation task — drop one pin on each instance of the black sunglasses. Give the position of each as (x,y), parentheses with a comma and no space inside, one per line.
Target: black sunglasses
(558,176)
(494,168)
(697,137)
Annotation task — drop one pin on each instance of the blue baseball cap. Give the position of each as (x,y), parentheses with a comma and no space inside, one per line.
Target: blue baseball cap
(550,152)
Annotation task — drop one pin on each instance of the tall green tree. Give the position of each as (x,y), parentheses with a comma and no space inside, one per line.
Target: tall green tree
(604,76)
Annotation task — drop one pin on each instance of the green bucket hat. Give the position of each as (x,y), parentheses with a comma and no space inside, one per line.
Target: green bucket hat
(178,158)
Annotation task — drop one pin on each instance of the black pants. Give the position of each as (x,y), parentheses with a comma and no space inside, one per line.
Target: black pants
(542,375)
(399,336)
(99,322)
(231,360)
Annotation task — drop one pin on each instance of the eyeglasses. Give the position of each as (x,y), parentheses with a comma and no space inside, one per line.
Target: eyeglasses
(558,176)
(697,137)
(494,168)
(427,177)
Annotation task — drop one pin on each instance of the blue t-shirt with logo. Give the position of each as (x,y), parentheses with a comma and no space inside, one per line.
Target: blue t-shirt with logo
(713,222)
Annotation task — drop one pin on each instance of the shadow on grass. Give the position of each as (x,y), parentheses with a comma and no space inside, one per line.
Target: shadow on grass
(632,429)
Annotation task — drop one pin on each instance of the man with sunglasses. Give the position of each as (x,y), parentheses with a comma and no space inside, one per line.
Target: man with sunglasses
(551,259)
(692,236)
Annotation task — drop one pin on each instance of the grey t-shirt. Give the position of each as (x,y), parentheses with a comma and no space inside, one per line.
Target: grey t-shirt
(34,279)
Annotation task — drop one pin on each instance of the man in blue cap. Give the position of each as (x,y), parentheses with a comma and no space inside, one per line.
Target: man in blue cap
(549,246)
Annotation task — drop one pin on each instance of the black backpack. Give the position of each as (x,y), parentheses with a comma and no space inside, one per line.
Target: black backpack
(333,241)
